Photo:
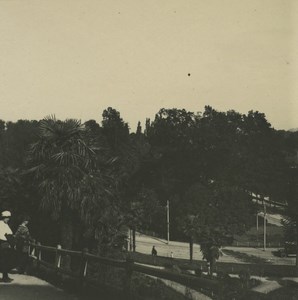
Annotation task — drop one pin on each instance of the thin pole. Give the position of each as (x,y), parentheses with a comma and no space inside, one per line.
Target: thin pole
(168,221)
(257,229)
(130,239)
(264,226)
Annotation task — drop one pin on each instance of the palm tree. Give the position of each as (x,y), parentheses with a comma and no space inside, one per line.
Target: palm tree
(64,162)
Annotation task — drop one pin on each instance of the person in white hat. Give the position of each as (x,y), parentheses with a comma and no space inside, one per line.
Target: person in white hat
(4,227)
(7,253)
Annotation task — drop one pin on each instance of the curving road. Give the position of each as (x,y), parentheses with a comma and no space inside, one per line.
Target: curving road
(144,245)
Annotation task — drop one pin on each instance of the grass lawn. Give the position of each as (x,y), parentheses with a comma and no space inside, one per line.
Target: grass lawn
(245,257)
(275,236)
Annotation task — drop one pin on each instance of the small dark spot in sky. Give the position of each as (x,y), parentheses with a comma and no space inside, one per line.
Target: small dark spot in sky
(188,74)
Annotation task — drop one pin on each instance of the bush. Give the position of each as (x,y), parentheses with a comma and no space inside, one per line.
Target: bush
(176,269)
(244,275)
(222,276)
(168,266)
(244,278)
(198,272)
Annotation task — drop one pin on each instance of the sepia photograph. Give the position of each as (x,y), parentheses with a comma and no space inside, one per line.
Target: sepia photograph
(148,150)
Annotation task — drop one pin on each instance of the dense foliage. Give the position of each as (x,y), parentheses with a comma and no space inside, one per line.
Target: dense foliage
(86,184)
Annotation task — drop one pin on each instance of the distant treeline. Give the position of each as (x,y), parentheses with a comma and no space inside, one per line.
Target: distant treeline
(86,184)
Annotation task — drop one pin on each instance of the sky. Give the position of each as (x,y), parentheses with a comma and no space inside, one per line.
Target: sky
(75,58)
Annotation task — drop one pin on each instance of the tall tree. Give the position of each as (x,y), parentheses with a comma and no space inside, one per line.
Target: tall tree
(212,213)
(63,160)
(15,138)
(171,136)
(114,128)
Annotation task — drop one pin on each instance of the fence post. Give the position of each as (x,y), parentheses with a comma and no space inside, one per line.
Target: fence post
(58,257)
(39,252)
(127,279)
(83,267)
(32,248)
(32,253)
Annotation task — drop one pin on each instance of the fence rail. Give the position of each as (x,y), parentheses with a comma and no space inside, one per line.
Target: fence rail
(258,269)
(38,252)
(139,263)
(257,244)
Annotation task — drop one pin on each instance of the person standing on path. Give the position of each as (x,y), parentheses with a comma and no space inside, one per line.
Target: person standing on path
(23,238)
(154,251)
(8,257)
(154,254)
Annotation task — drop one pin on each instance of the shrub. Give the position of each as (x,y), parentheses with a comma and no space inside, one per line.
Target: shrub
(168,266)
(198,272)
(222,275)
(176,269)
(244,278)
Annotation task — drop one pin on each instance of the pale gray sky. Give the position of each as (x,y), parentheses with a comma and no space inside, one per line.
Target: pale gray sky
(74,58)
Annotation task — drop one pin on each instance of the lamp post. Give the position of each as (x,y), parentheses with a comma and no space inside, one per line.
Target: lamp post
(257,228)
(264,225)
(168,222)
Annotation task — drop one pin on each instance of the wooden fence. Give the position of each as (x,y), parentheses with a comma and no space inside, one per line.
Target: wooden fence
(258,269)
(257,244)
(52,258)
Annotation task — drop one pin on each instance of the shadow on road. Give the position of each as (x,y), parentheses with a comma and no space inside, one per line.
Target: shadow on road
(28,292)
(26,287)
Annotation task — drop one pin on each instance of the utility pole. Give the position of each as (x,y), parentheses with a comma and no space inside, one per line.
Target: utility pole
(130,239)
(168,222)
(257,229)
(264,225)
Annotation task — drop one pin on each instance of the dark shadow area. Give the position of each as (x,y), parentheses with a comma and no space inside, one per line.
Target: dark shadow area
(20,291)
(28,292)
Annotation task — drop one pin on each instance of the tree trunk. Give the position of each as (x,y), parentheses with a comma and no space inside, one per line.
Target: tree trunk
(130,239)
(212,263)
(190,249)
(297,247)
(66,237)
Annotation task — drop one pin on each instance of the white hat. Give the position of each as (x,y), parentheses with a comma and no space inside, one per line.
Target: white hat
(6,214)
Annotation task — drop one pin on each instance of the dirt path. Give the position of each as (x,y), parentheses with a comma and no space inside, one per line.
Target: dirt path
(144,245)
(26,287)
